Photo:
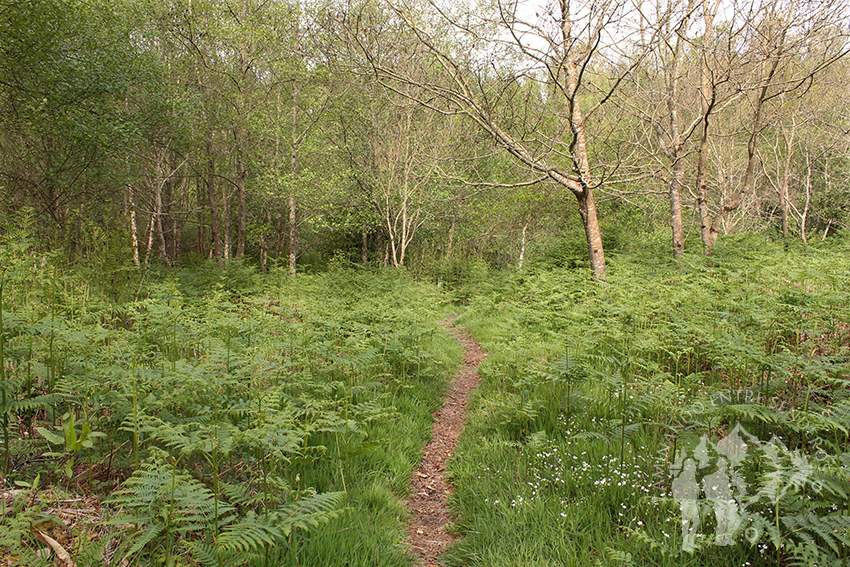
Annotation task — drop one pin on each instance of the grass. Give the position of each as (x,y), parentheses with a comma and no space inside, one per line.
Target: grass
(223,417)
(592,392)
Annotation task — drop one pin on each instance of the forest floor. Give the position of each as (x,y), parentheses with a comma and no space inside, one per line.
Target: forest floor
(427,532)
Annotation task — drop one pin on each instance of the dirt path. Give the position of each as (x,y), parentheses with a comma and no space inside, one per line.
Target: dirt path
(429,512)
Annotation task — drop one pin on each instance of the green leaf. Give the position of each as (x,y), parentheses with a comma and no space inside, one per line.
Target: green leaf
(50,436)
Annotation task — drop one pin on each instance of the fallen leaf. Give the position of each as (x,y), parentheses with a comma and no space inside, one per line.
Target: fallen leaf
(56,547)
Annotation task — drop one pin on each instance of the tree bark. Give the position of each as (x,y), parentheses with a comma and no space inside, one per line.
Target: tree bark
(134,232)
(784,198)
(240,140)
(200,190)
(805,214)
(676,183)
(522,243)
(293,171)
(293,244)
(163,251)
(775,51)
(176,221)
(450,246)
(587,210)
(227,220)
(151,225)
(215,226)
(708,99)
(674,144)
(578,149)
(241,206)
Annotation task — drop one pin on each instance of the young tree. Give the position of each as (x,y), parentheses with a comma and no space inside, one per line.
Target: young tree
(669,101)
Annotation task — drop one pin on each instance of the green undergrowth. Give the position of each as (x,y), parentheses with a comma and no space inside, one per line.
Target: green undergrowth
(596,398)
(212,416)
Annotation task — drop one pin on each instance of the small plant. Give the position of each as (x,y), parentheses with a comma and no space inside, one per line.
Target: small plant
(71,440)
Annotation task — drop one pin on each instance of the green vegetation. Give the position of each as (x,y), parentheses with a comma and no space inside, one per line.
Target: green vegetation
(216,417)
(209,416)
(592,396)
(230,230)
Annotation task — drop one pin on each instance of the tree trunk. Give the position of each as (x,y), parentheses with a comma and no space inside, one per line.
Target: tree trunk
(708,98)
(163,251)
(702,193)
(450,246)
(151,225)
(134,232)
(784,198)
(215,226)
(293,171)
(578,149)
(241,136)
(674,144)
(241,207)
(200,218)
(176,222)
(752,153)
(676,183)
(364,245)
(749,179)
(522,244)
(293,244)
(587,210)
(264,241)
(278,231)
(228,243)
(805,215)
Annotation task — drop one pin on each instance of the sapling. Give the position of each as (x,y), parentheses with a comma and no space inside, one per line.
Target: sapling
(4,385)
(72,441)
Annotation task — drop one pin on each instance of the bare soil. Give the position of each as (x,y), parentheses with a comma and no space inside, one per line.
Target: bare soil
(429,512)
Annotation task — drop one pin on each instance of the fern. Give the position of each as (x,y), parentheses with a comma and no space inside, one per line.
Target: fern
(753,413)
(807,554)
(160,500)
(309,512)
(34,403)
(164,503)
(833,529)
(147,535)
(248,534)
(209,556)
(619,558)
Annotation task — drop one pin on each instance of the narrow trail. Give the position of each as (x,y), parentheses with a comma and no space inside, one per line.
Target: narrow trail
(429,513)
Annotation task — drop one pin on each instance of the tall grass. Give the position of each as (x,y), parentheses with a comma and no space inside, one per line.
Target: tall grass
(593,396)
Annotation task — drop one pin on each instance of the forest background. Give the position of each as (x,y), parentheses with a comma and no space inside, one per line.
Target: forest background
(417,134)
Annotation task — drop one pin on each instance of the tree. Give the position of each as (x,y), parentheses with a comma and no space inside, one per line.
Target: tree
(665,99)
(70,81)
(782,47)
(558,52)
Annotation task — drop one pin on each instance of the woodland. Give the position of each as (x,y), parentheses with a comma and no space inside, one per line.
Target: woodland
(232,233)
